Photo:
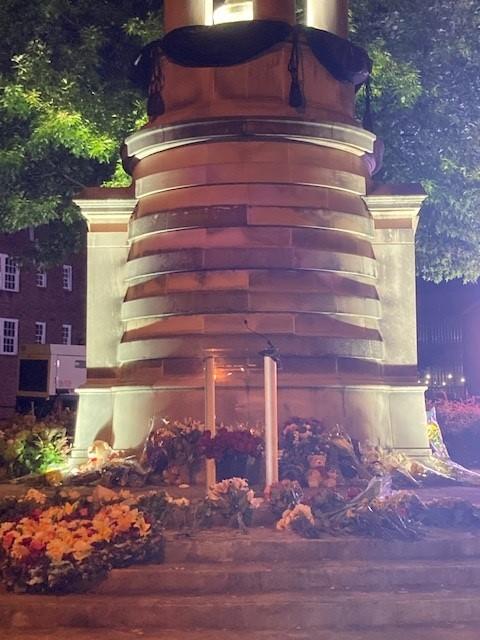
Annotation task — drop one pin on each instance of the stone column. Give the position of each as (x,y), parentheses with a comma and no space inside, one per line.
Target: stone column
(107,212)
(184,13)
(329,15)
(283,10)
(395,210)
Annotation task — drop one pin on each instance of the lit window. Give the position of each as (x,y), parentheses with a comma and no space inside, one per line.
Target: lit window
(8,336)
(67,277)
(41,277)
(66,334)
(9,273)
(40,332)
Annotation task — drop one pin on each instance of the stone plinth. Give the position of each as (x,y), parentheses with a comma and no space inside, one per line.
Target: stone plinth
(247,210)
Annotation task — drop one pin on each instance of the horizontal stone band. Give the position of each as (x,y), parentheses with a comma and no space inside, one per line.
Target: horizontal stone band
(257,258)
(197,346)
(244,302)
(328,134)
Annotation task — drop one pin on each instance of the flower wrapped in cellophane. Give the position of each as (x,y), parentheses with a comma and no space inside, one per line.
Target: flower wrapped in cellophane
(232,500)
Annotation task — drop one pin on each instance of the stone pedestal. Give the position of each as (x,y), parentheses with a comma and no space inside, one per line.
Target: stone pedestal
(246,209)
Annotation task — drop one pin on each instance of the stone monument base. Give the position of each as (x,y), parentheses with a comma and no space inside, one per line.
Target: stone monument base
(391,416)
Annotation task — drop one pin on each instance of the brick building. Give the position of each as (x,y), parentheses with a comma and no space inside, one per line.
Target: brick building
(36,306)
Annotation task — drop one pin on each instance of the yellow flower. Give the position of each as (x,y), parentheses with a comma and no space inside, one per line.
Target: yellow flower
(57,549)
(142,526)
(53,514)
(35,496)
(6,526)
(19,551)
(181,502)
(53,477)
(69,508)
(103,528)
(289,515)
(81,549)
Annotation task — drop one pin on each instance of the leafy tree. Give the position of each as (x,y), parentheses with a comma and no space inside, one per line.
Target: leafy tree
(427,109)
(66,102)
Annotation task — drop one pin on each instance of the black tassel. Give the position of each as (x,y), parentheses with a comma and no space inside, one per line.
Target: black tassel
(367,116)
(155,102)
(155,105)
(297,97)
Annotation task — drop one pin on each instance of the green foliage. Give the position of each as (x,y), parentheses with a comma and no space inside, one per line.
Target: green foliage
(426,86)
(66,103)
(28,446)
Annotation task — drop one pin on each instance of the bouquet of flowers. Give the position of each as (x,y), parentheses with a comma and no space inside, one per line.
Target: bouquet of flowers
(299,440)
(394,516)
(231,442)
(233,449)
(306,442)
(174,445)
(297,518)
(69,542)
(450,513)
(232,500)
(283,495)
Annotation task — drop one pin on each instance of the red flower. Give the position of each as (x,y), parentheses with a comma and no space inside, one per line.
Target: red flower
(8,539)
(36,546)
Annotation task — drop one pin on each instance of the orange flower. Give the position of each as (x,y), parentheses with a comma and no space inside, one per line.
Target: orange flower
(8,539)
(19,551)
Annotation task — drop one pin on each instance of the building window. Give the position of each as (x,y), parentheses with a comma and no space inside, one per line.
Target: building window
(41,277)
(40,332)
(8,336)
(9,273)
(66,334)
(67,277)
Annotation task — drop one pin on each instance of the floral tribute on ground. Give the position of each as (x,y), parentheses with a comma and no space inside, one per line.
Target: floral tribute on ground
(233,501)
(63,540)
(174,454)
(67,542)
(334,486)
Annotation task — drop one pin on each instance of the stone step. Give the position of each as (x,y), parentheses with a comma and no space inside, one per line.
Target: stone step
(456,632)
(265,545)
(263,577)
(283,612)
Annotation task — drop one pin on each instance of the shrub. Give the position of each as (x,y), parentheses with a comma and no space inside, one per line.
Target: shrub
(31,446)
(455,416)
(460,425)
